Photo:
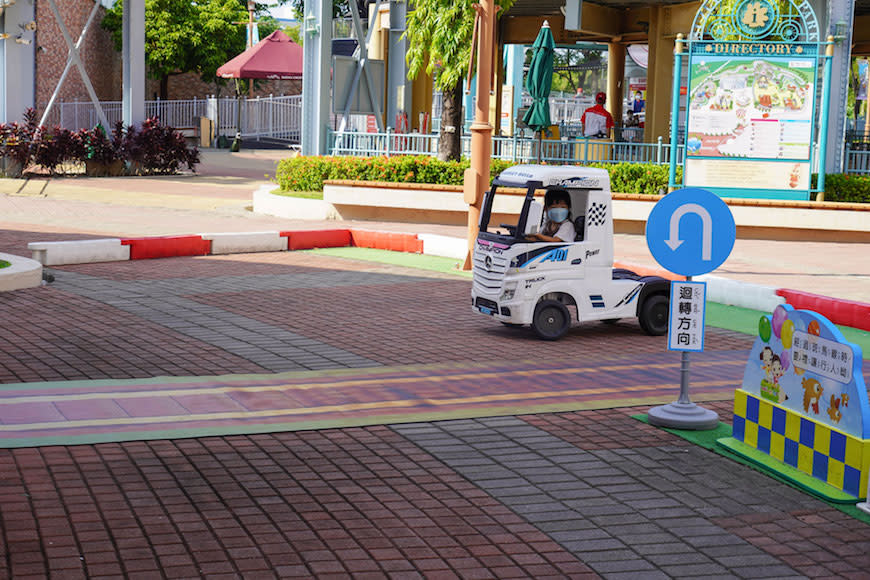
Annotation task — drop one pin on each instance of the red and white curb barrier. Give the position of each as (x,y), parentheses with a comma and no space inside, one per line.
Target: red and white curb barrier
(721,290)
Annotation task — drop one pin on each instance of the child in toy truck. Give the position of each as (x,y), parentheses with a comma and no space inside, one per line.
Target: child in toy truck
(558,226)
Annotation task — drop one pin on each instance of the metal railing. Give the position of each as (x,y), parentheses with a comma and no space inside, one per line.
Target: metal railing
(273,117)
(517,149)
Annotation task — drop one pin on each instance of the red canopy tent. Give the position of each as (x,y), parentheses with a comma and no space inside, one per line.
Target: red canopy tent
(274,57)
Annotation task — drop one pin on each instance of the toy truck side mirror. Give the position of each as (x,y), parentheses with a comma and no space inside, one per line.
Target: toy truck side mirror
(533,222)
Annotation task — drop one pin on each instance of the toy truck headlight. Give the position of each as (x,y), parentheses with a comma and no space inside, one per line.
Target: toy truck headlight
(509,291)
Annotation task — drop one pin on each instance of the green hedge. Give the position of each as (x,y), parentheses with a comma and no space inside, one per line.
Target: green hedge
(846,188)
(308,173)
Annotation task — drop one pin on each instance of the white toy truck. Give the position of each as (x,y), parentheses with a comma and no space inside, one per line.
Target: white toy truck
(548,285)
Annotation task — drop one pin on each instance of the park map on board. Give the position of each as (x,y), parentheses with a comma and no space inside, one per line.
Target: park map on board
(751,107)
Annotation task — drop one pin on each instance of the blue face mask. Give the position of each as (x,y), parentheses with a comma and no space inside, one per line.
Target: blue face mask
(557,214)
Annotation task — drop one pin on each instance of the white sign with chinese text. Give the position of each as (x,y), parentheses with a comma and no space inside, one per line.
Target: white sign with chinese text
(821,356)
(686,328)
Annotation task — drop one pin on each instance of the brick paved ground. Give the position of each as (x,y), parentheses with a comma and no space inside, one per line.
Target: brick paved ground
(564,495)
(270,313)
(556,495)
(489,498)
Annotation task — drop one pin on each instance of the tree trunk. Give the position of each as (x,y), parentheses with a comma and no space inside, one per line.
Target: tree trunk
(164,88)
(449,140)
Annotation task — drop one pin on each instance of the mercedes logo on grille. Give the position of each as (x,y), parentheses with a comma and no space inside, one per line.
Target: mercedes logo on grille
(488,263)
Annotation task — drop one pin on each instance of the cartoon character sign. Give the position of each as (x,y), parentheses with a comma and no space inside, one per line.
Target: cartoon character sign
(801,361)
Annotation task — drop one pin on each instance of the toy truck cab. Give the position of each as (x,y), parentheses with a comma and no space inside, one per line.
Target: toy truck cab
(549,285)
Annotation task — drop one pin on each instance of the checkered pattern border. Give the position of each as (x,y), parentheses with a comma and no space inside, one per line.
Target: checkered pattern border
(816,449)
(597,214)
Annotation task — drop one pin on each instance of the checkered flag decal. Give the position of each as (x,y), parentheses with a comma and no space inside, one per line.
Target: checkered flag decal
(596,215)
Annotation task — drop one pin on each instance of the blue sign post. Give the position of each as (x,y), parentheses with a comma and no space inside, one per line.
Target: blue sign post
(689,232)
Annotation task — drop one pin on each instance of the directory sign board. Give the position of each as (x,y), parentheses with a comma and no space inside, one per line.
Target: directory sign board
(750,117)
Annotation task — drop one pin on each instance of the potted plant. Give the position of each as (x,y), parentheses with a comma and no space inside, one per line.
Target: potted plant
(16,144)
(103,156)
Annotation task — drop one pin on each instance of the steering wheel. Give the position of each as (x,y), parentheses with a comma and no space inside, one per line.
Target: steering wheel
(512,230)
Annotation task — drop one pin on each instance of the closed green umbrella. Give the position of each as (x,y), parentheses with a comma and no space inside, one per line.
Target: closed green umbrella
(538,83)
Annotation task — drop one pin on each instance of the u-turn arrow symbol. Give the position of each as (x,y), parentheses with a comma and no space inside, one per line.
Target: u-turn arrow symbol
(674,241)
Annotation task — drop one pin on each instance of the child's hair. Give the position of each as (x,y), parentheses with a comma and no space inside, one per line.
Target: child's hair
(556,195)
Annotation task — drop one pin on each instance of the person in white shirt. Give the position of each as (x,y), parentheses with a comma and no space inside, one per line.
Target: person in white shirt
(597,121)
(558,226)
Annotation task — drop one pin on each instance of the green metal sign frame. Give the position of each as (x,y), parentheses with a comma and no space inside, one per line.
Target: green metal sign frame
(751,114)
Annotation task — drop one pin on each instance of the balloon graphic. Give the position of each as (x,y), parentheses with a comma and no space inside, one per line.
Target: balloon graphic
(785,360)
(779,316)
(814,328)
(764,328)
(787,333)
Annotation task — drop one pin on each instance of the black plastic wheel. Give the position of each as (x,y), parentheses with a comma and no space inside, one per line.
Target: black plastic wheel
(653,316)
(551,320)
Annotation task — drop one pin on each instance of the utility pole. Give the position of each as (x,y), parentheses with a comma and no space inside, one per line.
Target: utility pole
(476,177)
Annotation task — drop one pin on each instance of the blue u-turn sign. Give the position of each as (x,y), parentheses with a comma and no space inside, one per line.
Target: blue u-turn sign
(690,231)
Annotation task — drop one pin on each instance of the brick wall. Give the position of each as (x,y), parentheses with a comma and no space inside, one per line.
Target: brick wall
(190,85)
(103,62)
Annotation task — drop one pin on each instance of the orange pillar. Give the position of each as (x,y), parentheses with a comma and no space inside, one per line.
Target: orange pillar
(476,178)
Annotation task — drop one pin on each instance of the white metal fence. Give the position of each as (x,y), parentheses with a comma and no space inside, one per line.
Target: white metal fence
(564,107)
(274,117)
(518,149)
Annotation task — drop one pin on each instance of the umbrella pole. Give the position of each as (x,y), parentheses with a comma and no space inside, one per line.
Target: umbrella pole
(237,142)
(540,144)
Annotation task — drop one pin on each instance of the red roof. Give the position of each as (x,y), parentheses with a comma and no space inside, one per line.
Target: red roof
(274,57)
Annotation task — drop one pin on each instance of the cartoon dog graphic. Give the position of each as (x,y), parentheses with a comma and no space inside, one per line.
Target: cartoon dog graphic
(812,393)
(834,409)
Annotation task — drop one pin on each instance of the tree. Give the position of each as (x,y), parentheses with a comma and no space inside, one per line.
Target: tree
(574,68)
(184,36)
(439,41)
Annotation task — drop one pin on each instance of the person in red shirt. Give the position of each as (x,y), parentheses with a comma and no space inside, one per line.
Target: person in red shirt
(597,121)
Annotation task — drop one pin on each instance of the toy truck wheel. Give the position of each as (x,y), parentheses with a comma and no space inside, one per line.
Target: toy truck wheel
(653,316)
(551,319)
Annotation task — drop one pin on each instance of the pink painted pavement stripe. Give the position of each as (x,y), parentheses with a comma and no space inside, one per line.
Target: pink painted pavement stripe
(201,404)
(98,409)
(151,407)
(29,413)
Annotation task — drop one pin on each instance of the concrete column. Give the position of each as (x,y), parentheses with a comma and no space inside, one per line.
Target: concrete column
(615,76)
(398,87)
(421,101)
(133,56)
(659,79)
(495,121)
(17,63)
(317,60)
(842,12)
(514,75)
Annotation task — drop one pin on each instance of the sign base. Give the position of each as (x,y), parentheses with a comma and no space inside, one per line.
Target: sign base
(864,506)
(683,416)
